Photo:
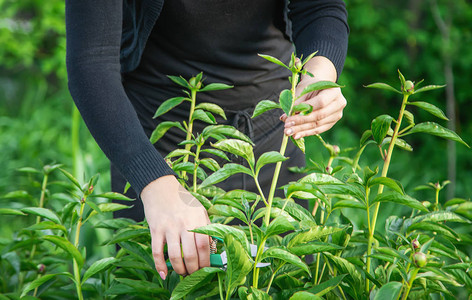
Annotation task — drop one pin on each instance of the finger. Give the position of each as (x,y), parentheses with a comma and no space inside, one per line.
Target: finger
(157,245)
(334,108)
(190,251)
(296,130)
(203,247)
(314,131)
(175,254)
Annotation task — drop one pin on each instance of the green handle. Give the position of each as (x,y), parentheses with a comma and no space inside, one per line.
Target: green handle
(215,261)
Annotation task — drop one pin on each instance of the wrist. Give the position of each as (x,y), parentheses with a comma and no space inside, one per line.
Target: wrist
(157,188)
(322,68)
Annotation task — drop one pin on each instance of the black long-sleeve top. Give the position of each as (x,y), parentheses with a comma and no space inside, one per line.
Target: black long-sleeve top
(107,38)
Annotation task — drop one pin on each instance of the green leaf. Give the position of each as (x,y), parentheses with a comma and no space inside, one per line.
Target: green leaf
(66,246)
(194,281)
(365,136)
(300,143)
(113,196)
(222,231)
(179,152)
(215,87)
(320,178)
(345,267)
(11,211)
(429,88)
(162,128)
(279,225)
(438,130)
(42,212)
(71,178)
(314,233)
(184,166)
(142,286)
(399,143)
(440,216)
(139,252)
(323,288)
(304,295)
(435,111)
(227,211)
(240,263)
(204,116)
(282,254)
(388,182)
(109,207)
(349,203)
(410,118)
(313,247)
(226,171)
(227,131)
(216,152)
(389,291)
(263,106)
(127,235)
(270,157)
(274,60)
(295,210)
(210,163)
(179,80)
(39,281)
(16,195)
(402,78)
(380,126)
(437,228)
(303,108)
(47,225)
(29,170)
(237,147)
(213,108)
(399,199)
(98,266)
(383,86)
(286,101)
(168,105)
(320,85)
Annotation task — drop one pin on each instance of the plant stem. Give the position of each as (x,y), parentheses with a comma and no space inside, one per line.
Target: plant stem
(220,286)
(410,283)
(41,205)
(273,276)
(437,200)
(193,100)
(255,277)
(195,169)
(77,278)
(260,190)
(384,174)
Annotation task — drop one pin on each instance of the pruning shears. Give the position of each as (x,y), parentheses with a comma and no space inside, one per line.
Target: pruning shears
(220,260)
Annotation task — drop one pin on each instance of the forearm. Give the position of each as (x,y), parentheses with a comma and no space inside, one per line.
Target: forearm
(322,68)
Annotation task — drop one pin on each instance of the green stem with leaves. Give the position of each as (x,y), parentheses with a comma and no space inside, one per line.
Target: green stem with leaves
(385,167)
(197,154)
(410,283)
(77,278)
(41,205)
(193,100)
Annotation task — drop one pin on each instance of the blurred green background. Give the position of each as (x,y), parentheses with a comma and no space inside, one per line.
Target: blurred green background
(428,40)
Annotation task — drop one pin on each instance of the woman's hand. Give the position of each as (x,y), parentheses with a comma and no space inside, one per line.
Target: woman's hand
(171,211)
(327,104)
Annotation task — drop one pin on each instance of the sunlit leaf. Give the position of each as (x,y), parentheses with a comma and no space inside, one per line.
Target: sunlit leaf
(314,233)
(240,263)
(286,101)
(237,147)
(179,80)
(143,286)
(395,197)
(112,196)
(389,291)
(429,88)
(380,127)
(127,235)
(383,86)
(98,266)
(303,108)
(210,163)
(345,267)
(226,171)
(326,286)
(320,178)
(215,87)
(283,254)
(222,231)
(277,226)
(11,211)
(204,116)
(320,85)
(313,247)
(47,225)
(432,109)
(66,246)
(216,152)
(194,281)
(227,211)
(438,130)
(42,212)
(39,281)
(263,106)
(162,128)
(274,60)
(270,157)
(388,182)
(213,108)
(71,178)
(168,105)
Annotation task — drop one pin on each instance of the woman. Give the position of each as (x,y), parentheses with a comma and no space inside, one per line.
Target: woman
(118,56)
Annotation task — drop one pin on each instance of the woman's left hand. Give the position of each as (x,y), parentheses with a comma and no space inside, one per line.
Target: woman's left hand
(327,104)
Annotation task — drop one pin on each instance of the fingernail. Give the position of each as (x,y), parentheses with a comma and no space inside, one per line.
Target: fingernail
(289,131)
(163,275)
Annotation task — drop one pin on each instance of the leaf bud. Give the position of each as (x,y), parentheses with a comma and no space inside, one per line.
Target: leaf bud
(298,64)
(415,244)
(409,87)
(193,81)
(420,260)
(336,149)
(41,268)
(199,85)
(329,169)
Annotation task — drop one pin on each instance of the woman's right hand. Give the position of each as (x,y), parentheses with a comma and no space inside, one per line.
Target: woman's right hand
(171,211)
